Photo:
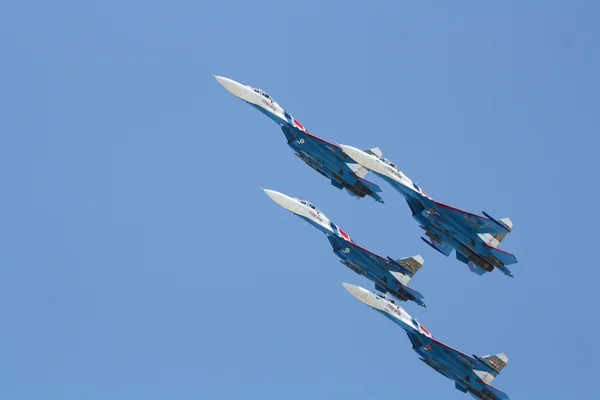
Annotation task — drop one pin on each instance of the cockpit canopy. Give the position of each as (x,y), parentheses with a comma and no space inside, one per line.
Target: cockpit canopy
(388,162)
(264,94)
(385,160)
(306,203)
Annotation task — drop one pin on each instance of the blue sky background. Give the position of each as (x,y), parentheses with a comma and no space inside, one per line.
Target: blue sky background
(140,259)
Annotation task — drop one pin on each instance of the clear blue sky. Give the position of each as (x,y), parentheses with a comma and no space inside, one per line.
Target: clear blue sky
(140,259)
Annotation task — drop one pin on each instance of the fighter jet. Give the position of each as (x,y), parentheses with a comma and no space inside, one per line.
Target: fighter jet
(475,238)
(324,157)
(389,275)
(471,374)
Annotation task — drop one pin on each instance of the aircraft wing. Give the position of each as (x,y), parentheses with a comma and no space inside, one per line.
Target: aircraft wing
(333,153)
(334,148)
(475,223)
(441,246)
(295,134)
(408,266)
(470,362)
(365,258)
(329,160)
(360,255)
(436,241)
(454,363)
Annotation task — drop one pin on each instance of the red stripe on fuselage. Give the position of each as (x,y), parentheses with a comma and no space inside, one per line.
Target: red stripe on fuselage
(322,140)
(452,348)
(497,249)
(459,210)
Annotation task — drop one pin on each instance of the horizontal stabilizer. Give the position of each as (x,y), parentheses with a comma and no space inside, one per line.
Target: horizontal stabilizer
(469,221)
(403,291)
(506,271)
(493,394)
(503,256)
(367,184)
(445,249)
(417,297)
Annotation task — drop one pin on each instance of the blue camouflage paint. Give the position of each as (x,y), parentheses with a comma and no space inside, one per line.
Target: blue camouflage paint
(450,229)
(324,157)
(450,363)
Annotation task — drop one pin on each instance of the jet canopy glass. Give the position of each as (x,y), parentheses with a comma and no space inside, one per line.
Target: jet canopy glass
(385,160)
(262,93)
(306,203)
(388,162)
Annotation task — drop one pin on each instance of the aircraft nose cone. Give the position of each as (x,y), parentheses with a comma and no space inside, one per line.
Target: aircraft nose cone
(236,88)
(370,299)
(280,198)
(357,155)
(356,291)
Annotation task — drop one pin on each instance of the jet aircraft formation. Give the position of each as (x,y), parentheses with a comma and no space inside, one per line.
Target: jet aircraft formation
(474,239)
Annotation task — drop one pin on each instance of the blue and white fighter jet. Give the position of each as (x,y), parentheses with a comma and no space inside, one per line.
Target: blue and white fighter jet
(324,157)
(475,238)
(389,275)
(471,374)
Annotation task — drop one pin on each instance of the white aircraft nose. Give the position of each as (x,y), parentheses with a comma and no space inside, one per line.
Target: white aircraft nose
(236,88)
(281,199)
(357,155)
(356,291)
(370,299)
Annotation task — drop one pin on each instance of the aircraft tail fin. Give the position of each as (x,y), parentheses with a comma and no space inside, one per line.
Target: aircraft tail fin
(494,239)
(376,151)
(410,265)
(496,362)
(501,235)
(492,365)
(486,371)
